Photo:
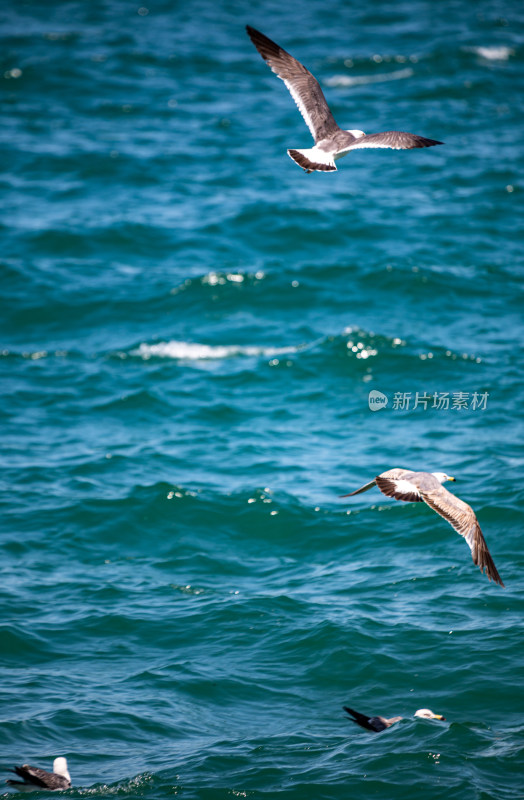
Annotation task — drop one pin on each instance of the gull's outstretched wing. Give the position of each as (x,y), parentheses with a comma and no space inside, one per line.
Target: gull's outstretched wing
(462,518)
(392,484)
(396,483)
(362,489)
(395,140)
(304,88)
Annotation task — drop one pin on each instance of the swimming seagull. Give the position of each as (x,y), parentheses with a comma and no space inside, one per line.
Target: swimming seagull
(331,142)
(418,487)
(378,724)
(58,779)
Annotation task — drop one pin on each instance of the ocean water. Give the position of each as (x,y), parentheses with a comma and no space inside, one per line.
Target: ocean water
(191,328)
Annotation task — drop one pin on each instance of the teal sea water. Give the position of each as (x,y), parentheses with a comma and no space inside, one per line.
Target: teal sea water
(190,330)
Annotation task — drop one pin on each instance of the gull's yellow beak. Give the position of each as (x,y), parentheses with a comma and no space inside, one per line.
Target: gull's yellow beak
(439,716)
(451,478)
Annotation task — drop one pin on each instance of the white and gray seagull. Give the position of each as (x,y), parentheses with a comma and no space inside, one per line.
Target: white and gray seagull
(331,142)
(378,724)
(34,777)
(418,487)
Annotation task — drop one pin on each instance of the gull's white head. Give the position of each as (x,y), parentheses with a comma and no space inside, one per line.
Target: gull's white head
(427,714)
(442,477)
(357,134)
(60,768)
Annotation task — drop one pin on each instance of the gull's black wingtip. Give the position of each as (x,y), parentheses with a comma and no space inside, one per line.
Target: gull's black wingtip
(424,142)
(253,34)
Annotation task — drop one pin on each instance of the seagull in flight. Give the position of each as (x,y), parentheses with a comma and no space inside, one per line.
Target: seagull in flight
(418,487)
(36,778)
(331,142)
(378,724)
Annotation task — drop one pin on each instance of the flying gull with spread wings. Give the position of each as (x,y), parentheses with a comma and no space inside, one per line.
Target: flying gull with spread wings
(331,142)
(418,487)
(378,724)
(36,778)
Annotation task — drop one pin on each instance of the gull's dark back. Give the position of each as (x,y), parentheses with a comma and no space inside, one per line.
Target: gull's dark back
(375,724)
(39,778)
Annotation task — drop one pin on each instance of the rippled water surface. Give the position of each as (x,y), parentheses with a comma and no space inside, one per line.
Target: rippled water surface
(191,328)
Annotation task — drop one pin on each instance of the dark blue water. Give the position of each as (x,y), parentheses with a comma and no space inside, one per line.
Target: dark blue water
(191,330)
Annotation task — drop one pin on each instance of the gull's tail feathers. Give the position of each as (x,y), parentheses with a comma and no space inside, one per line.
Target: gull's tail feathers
(313,159)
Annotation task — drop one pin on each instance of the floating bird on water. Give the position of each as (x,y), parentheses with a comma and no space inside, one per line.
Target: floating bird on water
(34,777)
(418,487)
(378,724)
(331,142)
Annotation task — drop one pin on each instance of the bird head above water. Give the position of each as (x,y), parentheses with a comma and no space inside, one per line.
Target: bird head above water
(60,767)
(427,714)
(357,134)
(442,477)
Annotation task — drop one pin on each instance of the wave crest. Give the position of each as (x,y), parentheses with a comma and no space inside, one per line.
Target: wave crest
(194,351)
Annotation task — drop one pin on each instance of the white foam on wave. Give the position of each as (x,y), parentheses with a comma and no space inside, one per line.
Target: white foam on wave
(495,53)
(193,351)
(359,80)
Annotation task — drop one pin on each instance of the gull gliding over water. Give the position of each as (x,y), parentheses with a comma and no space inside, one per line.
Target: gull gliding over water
(418,487)
(331,142)
(34,777)
(378,724)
